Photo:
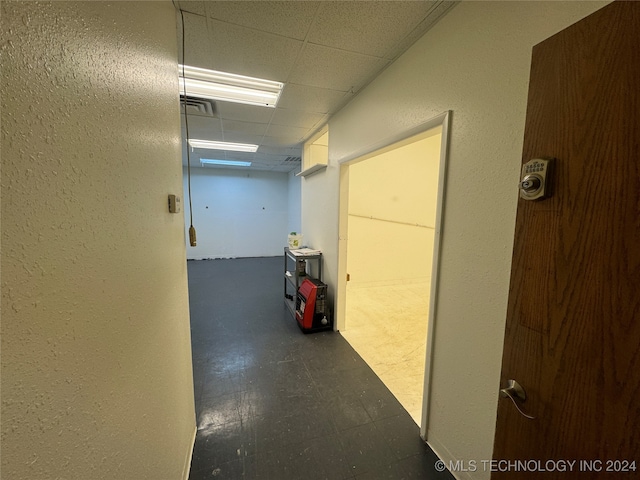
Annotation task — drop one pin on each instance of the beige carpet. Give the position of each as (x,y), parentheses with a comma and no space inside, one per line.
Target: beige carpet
(387,326)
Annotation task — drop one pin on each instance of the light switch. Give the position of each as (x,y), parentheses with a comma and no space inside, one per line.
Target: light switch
(174,204)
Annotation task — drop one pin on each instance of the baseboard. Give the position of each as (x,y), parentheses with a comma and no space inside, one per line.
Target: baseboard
(186,470)
(446,456)
(232,257)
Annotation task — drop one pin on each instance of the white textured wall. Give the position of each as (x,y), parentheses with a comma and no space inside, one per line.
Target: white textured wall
(320,220)
(475,61)
(96,357)
(392,214)
(294,203)
(237,213)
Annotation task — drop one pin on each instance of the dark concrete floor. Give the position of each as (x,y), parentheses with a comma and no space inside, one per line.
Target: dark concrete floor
(275,403)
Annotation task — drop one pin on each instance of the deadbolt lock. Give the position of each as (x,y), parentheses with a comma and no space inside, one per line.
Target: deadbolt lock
(530,184)
(535,179)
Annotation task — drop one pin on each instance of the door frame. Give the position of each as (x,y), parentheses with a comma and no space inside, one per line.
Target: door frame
(443,120)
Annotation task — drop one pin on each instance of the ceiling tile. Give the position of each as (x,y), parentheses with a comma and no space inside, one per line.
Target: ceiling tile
(320,123)
(286,168)
(324,52)
(334,69)
(239,136)
(436,12)
(310,99)
(366,27)
(271,158)
(288,135)
(289,19)
(193,7)
(282,151)
(276,144)
(295,118)
(242,156)
(197,42)
(205,128)
(250,128)
(249,52)
(268,160)
(246,113)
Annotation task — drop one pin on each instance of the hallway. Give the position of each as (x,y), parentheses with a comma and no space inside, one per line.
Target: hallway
(274,403)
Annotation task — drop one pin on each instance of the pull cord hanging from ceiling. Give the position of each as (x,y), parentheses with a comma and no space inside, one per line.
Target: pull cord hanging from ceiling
(192,230)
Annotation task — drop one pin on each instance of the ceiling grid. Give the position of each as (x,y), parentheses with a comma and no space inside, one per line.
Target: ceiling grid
(324,51)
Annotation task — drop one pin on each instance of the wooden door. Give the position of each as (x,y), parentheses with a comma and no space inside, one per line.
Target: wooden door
(572,337)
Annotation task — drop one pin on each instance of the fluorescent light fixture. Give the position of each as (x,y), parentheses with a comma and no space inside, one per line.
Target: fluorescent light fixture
(230,163)
(212,145)
(228,87)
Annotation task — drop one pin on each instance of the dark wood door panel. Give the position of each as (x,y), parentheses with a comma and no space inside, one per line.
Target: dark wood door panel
(573,323)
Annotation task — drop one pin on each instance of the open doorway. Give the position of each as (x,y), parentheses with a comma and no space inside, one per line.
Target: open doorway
(390,224)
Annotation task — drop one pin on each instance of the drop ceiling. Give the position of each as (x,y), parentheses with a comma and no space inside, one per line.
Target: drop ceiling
(325,52)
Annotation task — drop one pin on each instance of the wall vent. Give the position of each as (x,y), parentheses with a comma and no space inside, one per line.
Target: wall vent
(198,106)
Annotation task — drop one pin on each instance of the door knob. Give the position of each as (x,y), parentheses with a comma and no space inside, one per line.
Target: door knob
(515,391)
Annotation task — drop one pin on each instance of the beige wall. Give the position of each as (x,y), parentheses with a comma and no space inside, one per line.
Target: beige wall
(96,360)
(475,62)
(392,213)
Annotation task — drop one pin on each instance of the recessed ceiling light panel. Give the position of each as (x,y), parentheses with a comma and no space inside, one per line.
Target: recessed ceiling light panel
(212,145)
(229,87)
(228,163)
